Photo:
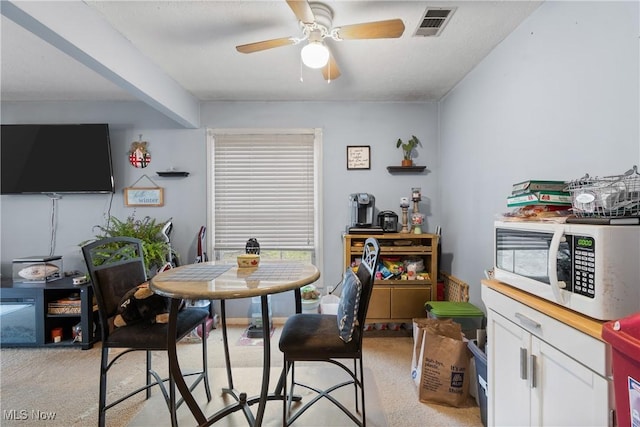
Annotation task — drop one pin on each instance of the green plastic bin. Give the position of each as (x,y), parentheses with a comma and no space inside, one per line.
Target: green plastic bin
(466,314)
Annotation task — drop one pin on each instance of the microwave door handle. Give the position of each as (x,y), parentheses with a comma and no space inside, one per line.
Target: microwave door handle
(554,246)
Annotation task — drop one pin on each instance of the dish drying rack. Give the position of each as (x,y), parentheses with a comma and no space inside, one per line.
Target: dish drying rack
(606,197)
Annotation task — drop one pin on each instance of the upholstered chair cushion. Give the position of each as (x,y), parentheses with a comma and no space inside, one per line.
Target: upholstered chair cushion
(349,304)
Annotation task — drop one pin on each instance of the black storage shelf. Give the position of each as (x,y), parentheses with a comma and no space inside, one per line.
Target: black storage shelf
(406,169)
(31,325)
(172,174)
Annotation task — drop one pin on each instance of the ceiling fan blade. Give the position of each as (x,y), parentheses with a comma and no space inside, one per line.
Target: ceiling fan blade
(302,10)
(390,29)
(331,71)
(264,45)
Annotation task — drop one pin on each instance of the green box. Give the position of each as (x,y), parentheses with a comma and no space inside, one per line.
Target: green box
(466,314)
(557,198)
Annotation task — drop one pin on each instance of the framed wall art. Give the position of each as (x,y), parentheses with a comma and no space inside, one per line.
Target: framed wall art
(140,196)
(358,157)
(144,196)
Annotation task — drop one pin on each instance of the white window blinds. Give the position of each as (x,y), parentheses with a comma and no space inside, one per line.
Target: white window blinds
(264,188)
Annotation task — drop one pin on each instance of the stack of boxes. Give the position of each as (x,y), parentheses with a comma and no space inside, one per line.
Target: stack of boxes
(539,192)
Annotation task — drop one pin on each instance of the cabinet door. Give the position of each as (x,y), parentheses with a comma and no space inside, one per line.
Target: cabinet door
(565,392)
(380,303)
(508,372)
(22,317)
(408,302)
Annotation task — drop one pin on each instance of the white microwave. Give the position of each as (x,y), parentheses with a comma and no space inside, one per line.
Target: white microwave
(591,269)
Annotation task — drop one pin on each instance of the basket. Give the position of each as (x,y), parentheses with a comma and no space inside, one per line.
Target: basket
(606,197)
(454,288)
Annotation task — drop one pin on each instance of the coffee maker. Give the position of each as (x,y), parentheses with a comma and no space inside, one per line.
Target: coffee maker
(361,206)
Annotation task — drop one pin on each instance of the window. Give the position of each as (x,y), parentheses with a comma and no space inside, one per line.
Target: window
(265,184)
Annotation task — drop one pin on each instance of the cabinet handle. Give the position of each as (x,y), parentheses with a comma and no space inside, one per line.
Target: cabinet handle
(532,370)
(612,418)
(523,363)
(526,320)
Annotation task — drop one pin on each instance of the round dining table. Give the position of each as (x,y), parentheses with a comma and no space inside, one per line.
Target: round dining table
(217,280)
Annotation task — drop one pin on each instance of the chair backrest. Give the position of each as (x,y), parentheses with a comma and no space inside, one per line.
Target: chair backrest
(116,265)
(366,273)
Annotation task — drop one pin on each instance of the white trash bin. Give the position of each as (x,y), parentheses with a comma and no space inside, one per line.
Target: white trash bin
(329,304)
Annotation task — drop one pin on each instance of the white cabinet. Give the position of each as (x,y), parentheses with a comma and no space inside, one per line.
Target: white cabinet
(541,371)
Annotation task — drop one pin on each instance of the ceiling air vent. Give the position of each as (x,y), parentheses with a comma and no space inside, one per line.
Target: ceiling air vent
(434,21)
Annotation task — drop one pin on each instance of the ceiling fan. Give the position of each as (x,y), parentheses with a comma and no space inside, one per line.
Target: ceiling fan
(316,25)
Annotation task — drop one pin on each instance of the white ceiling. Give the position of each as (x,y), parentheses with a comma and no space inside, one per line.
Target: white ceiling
(193,42)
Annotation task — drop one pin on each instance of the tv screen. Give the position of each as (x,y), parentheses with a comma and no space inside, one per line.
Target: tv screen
(56,159)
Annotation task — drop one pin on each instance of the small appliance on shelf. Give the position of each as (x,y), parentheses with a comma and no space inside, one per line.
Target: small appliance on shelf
(362,206)
(388,221)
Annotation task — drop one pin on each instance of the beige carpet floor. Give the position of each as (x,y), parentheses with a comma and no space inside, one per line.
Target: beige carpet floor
(59,387)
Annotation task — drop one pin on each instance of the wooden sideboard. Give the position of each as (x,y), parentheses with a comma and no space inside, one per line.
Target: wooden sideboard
(393,300)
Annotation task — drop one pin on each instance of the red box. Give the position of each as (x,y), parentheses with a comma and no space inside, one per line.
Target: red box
(624,337)
(440,291)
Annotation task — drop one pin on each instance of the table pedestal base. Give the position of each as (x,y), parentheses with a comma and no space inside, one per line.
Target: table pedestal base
(242,402)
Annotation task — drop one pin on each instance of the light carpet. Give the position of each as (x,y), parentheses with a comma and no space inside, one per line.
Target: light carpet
(321,414)
(35,383)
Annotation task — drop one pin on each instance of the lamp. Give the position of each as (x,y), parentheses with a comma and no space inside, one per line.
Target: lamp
(315,54)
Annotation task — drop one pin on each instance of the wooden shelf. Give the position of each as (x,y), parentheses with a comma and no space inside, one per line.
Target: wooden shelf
(406,169)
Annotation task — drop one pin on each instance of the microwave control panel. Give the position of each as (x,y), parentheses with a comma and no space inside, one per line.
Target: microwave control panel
(584,266)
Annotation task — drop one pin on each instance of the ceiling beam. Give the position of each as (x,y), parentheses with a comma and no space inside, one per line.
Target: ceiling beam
(78,30)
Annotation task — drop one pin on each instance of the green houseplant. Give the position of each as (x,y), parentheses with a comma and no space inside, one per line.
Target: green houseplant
(408,149)
(147,229)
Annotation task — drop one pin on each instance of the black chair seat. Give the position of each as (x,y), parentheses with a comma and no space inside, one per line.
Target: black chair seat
(153,336)
(315,337)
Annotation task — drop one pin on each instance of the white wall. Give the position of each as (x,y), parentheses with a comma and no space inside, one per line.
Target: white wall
(555,100)
(25,218)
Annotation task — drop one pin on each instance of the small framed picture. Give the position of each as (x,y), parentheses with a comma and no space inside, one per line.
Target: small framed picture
(140,196)
(358,157)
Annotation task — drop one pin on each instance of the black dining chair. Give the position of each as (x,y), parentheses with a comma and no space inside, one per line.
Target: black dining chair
(310,337)
(116,265)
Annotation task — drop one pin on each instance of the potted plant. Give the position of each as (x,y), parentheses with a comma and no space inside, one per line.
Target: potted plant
(408,149)
(155,247)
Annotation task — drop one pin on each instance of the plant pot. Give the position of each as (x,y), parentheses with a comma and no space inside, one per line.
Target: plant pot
(407,162)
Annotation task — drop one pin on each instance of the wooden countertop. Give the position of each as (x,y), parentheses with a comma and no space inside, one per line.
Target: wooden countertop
(578,321)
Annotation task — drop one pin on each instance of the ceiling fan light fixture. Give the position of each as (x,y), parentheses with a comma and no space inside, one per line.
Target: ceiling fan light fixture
(315,54)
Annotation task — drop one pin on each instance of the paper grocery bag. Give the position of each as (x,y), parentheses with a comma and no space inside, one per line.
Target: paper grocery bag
(444,370)
(416,366)
(446,326)
(418,336)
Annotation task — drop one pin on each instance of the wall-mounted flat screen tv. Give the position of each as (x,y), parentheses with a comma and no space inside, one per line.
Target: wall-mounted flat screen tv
(68,158)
